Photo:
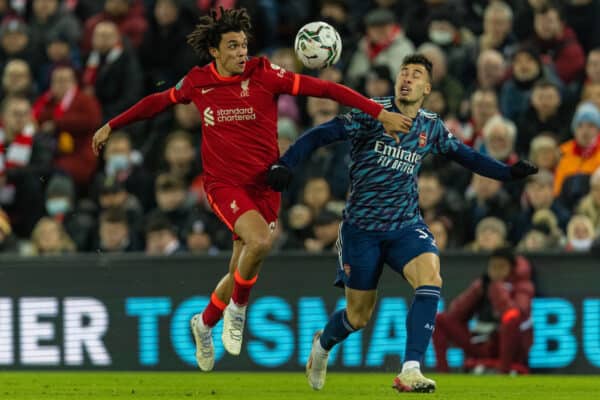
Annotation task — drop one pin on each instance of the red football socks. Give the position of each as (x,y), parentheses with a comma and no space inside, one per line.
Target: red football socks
(213,311)
(242,288)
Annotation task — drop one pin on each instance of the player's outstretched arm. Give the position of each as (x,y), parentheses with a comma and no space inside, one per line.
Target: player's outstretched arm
(489,167)
(392,122)
(280,174)
(146,108)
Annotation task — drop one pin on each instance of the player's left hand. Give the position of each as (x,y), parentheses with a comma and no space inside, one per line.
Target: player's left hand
(394,123)
(279,177)
(522,169)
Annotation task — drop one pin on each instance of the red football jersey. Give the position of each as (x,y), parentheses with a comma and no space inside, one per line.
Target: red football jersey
(239,118)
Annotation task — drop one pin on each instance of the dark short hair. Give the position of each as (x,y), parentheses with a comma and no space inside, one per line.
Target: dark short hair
(114,215)
(158,221)
(544,83)
(211,27)
(419,59)
(549,5)
(505,252)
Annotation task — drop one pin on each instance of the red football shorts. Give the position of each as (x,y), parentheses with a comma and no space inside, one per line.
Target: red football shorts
(230,202)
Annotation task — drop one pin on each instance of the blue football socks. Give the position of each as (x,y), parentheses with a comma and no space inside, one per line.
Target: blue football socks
(420,322)
(337,329)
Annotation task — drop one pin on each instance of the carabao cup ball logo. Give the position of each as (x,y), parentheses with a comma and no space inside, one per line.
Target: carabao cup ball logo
(318,45)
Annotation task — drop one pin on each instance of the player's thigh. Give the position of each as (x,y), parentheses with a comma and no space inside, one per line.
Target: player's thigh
(423,270)
(413,253)
(239,211)
(360,259)
(359,306)
(269,203)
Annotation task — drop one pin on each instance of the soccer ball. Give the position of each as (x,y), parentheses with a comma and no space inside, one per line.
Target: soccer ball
(318,45)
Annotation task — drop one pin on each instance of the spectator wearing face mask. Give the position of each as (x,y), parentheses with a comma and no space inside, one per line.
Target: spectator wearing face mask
(61,207)
(119,158)
(580,234)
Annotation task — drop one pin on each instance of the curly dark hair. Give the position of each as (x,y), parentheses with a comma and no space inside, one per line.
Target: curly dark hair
(210,27)
(419,59)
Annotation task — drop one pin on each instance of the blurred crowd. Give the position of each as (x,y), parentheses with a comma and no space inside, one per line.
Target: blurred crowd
(513,79)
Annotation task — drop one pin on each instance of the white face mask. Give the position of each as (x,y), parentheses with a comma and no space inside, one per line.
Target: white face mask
(439,37)
(581,244)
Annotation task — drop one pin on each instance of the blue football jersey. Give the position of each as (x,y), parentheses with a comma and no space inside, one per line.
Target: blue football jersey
(383,173)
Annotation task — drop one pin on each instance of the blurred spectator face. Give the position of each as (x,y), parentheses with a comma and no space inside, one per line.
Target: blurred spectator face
(299,217)
(179,154)
(592,67)
(157,242)
(580,233)
(490,69)
(498,268)
(117,155)
(105,36)
(286,59)
(16,115)
(331,74)
(485,188)
(166,12)
(484,105)
(42,9)
(535,241)
(377,87)
(327,233)
(435,102)
(441,32)
(198,242)
(62,80)
(499,142)
(592,93)
(545,100)
(334,11)
(187,116)
(547,25)
(116,8)
(47,236)
(321,110)
(438,60)
(440,234)
(525,67)
(58,50)
(540,195)
(113,235)
(59,205)
(489,239)
(170,199)
(14,41)
(379,34)
(16,79)
(431,191)
(497,23)
(586,133)
(316,193)
(546,157)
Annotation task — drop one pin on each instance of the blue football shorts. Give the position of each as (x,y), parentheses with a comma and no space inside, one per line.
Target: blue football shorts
(362,254)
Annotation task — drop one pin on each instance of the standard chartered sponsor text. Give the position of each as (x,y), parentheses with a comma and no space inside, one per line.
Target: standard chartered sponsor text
(236,114)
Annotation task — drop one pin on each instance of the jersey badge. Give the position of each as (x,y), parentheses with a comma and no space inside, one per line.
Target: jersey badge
(422,139)
(245,88)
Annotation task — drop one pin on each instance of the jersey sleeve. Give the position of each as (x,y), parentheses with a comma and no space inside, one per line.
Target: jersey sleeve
(444,141)
(182,91)
(278,80)
(357,124)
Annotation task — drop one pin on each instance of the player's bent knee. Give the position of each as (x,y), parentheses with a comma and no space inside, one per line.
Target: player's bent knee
(259,244)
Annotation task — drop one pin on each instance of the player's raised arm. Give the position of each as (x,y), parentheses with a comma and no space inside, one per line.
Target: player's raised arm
(147,107)
(280,174)
(392,122)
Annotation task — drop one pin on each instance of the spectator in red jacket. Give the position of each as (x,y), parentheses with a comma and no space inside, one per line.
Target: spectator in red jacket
(71,116)
(558,43)
(128,15)
(501,302)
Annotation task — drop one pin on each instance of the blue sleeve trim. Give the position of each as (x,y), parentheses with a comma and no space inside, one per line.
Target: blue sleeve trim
(479,163)
(322,135)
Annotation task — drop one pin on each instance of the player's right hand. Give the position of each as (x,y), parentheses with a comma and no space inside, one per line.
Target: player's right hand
(394,123)
(279,177)
(100,138)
